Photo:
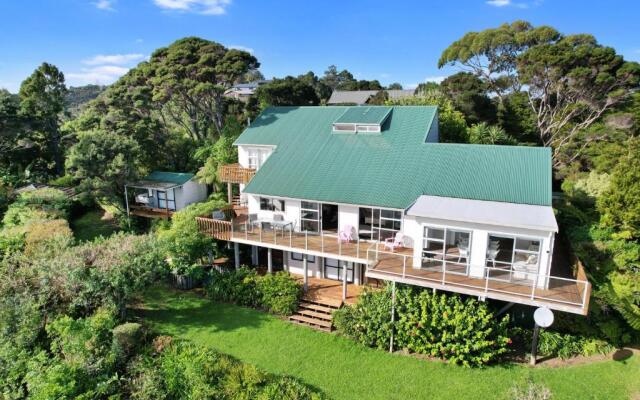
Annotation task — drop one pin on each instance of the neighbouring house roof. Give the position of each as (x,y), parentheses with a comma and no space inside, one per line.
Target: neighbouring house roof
(362,96)
(485,212)
(390,169)
(162,180)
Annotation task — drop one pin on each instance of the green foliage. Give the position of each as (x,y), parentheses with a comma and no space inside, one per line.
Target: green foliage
(103,162)
(565,345)
(469,95)
(443,326)
(186,371)
(181,240)
(36,205)
(47,236)
(127,340)
(488,134)
(219,153)
(620,204)
(452,126)
(278,293)
(42,102)
(289,91)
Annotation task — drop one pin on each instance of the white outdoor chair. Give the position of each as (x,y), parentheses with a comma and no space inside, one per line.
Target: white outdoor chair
(346,234)
(395,242)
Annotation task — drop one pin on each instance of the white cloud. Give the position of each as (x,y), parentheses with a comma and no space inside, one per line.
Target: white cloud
(100,75)
(116,59)
(499,3)
(107,5)
(205,7)
(240,47)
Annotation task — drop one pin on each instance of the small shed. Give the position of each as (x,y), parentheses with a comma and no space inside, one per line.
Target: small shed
(160,194)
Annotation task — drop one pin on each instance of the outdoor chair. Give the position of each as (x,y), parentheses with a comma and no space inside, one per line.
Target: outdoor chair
(463,252)
(346,234)
(396,242)
(252,221)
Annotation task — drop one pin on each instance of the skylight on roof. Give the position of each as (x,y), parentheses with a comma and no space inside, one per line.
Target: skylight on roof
(362,120)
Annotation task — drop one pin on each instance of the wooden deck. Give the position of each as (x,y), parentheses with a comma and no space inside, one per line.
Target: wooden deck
(561,294)
(328,291)
(149,212)
(325,244)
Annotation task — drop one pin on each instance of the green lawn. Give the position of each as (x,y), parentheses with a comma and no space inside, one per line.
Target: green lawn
(345,370)
(92,224)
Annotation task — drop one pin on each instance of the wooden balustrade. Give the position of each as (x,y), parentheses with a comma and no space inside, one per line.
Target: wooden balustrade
(234,173)
(216,228)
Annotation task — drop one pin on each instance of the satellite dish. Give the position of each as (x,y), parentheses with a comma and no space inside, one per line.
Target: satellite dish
(543,317)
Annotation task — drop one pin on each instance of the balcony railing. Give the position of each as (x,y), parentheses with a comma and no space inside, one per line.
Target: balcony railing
(235,173)
(329,244)
(565,294)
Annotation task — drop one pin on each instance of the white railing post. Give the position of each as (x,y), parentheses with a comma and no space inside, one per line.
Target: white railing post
(275,234)
(584,294)
(404,267)
(232,228)
(533,288)
(358,248)
(486,279)
(444,272)
(260,232)
(321,241)
(306,239)
(339,246)
(290,236)
(246,230)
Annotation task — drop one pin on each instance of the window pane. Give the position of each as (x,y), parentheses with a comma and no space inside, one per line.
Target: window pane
(311,226)
(433,246)
(434,233)
(278,205)
(330,262)
(265,204)
(309,215)
(527,244)
(309,205)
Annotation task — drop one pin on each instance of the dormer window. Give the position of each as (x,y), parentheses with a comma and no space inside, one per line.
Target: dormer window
(362,120)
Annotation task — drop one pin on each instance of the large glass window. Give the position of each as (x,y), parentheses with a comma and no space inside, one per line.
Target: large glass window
(378,224)
(333,269)
(298,257)
(257,157)
(309,216)
(513,257)
(269,204)
(446,248)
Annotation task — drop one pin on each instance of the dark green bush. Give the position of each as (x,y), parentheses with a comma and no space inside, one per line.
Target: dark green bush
(368,321)
(39,204)
(127,339)
(444,326)
(564,345)
(186,371)
(279,293)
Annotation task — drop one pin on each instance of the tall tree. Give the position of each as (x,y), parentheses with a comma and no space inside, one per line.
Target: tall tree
(42,100)
(189,78)
(289,91)
(570,81)
(395,86)
(469,95)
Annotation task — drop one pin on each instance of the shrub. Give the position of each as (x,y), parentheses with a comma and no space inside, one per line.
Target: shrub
(49,235)
(127,338)
(444,326)
(234,286)
(280,293)
(368,321)
(39,204)
(186,371)
(564,345)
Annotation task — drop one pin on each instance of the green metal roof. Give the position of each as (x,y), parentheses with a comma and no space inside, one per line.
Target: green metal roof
(179,178)
(391,169)
(364,115)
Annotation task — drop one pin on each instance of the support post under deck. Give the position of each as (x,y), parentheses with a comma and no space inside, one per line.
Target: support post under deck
(236,254)
(344,281)
(305,269)
(269,260)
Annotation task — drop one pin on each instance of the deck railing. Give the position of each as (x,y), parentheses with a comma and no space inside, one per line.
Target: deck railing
(491,280)
(307,241)
(235,173)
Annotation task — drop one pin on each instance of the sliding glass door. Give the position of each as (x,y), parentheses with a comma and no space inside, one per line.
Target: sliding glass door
(166,200)
(309,216)
(513,258)
(378,223)
(446,249)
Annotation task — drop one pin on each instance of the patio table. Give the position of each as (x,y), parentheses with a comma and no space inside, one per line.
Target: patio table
(276,224)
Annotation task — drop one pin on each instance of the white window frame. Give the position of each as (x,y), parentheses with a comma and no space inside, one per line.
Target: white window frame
(317,210)
(271,201)
(444,262)
(514,250)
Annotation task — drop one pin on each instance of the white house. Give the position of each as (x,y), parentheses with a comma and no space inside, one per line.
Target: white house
(368,194)
(160,194)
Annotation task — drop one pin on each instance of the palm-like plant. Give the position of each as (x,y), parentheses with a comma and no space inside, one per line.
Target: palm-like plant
(484,133)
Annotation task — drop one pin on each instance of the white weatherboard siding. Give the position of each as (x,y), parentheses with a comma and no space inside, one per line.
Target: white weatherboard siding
(189,193)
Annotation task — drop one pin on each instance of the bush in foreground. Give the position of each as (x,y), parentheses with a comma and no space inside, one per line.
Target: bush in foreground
(444,326)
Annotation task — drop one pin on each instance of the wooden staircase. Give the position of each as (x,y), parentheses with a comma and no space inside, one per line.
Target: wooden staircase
(316,313)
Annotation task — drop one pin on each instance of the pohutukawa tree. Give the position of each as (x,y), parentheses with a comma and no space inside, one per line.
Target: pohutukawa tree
(189,78)
(570,81)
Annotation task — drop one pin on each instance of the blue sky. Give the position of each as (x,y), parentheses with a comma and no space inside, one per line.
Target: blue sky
(95,41)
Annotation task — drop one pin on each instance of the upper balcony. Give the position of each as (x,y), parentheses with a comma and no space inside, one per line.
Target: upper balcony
(235,173)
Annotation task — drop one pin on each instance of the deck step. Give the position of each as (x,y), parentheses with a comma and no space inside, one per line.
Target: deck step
(316,315)
(311,321)
(317,307)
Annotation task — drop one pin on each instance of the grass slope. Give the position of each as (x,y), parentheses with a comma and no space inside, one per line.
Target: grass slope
(92,224)
(345,370)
